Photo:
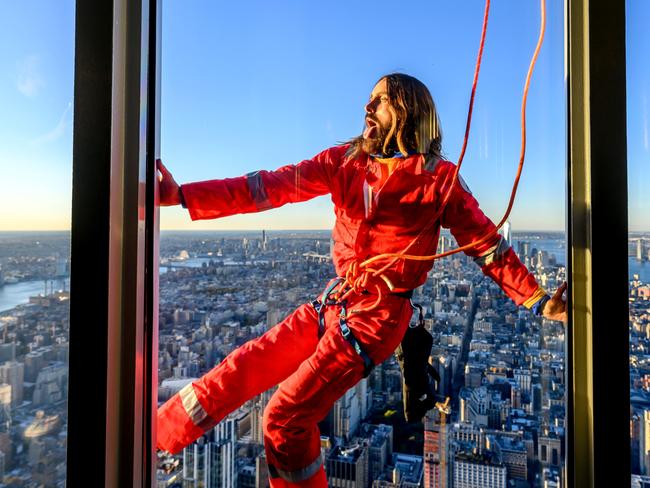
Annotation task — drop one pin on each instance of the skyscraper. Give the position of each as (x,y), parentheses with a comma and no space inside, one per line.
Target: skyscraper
(472,470)
(347,467)
(524,378)
(257,413)
(380,447)
(639,249)
(13,373)
(644,443)
(350,410)
(210,461)
(436,472)
(512,452)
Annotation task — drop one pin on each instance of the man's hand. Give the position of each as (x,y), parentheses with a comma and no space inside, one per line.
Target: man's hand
(170,191)
(556,307)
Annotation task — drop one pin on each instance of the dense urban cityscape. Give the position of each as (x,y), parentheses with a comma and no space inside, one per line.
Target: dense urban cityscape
(502,368)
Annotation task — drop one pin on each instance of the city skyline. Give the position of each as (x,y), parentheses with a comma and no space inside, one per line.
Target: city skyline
(502,367)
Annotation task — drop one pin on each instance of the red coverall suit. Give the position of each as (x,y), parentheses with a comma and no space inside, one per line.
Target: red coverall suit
(375,214)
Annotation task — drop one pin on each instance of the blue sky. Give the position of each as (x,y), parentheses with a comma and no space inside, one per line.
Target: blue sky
(638,113)
(261,84)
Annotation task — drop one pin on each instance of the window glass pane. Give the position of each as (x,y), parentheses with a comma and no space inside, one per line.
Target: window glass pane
(36,90)
(257,86)
(638,95)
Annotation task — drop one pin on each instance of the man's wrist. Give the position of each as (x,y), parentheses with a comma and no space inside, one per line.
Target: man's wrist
(538,308)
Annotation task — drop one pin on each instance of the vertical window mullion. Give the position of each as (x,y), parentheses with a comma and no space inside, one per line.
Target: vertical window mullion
(599,342)
(113,246)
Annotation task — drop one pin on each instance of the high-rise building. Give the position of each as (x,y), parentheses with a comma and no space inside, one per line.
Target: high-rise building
(639,249)
(549,449)
(61,267)
(436,471)
(515,396)
(257,414)
(262,471)
(524,378)
(479,404)
(273,313)
(468,434)
(379,440)
(537,398)
(349,410)
(406,472)
(512,452)
(13,373)
(51,384)
(443,246)
(445,370)
(347,467)
(210,461)
(644,442)
(472,470)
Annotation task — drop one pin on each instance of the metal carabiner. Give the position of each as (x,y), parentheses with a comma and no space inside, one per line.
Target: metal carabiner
(418,307)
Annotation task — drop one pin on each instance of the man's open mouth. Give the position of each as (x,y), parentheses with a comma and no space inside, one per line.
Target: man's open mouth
(371,130)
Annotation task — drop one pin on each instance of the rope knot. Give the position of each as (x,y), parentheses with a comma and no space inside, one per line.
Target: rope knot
(358,278)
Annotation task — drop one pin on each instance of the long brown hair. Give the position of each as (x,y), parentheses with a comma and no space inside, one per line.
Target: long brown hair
(415,126)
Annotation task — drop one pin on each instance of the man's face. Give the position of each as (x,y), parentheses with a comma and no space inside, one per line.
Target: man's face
(379,118)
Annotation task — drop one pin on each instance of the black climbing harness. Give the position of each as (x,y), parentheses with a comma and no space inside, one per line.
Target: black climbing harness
(319,306)
(327,300)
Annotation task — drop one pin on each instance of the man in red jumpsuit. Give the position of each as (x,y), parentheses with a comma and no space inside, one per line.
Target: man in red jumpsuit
(386,185)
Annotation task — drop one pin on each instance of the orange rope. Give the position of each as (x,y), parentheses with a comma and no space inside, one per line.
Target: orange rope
(358,275)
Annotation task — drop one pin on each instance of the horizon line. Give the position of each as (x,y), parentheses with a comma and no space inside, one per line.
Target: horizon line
(259,229)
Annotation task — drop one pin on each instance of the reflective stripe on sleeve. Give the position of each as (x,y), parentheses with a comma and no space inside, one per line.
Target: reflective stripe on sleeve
(194,409)
(298,475)
(494,253)
(258,191)
(536,297)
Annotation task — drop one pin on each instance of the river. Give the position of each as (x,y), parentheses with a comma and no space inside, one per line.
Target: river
(12,294)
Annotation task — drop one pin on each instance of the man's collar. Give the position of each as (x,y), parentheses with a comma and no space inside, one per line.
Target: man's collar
(396,154)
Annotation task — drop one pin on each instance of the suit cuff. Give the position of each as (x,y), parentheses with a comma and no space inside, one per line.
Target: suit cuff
(536,298)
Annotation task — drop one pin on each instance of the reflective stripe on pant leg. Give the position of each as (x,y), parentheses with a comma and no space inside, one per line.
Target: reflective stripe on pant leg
(317,480)
(246,372)
(175,429)
(298,475)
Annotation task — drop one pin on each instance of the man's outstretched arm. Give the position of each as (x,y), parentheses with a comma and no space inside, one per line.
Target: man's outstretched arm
(495,256)
(254,192)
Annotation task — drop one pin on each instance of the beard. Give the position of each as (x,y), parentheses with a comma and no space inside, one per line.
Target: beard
(374,144)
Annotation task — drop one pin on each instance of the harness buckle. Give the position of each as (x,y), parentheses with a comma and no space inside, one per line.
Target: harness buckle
(345,330)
